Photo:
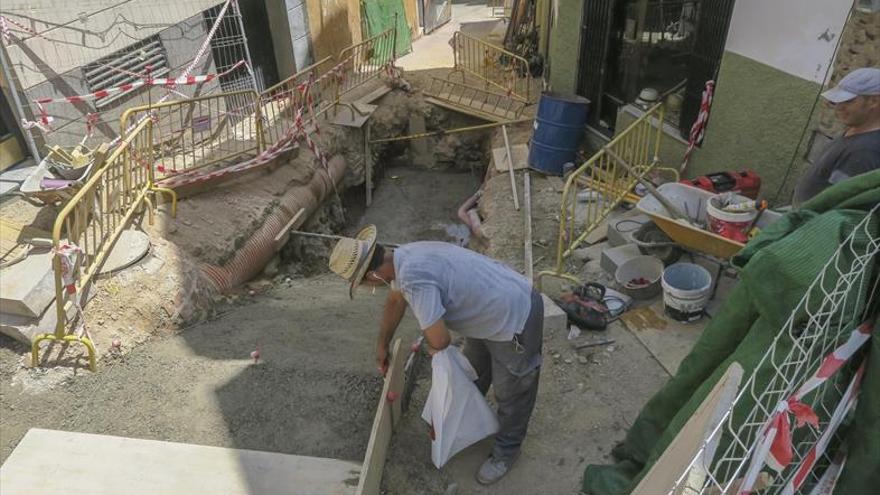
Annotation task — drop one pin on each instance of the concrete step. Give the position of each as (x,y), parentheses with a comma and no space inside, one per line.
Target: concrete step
(49,462)
(28,287)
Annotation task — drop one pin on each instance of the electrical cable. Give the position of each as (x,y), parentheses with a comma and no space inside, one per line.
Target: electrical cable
(809,121)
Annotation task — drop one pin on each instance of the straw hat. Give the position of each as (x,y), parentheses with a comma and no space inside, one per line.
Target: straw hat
(351,257)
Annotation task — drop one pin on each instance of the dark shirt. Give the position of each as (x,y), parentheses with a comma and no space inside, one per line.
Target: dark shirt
(845,157)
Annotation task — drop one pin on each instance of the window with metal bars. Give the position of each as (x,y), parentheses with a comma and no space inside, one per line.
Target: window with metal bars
(126,66)
(671,46)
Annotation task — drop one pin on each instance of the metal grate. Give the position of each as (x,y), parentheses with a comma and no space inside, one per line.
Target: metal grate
(125,66)
(713,20)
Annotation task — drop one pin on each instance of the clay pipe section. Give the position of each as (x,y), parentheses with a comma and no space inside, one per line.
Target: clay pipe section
(253,256)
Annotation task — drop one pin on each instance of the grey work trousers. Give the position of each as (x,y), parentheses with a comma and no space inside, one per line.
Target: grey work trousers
(512,368)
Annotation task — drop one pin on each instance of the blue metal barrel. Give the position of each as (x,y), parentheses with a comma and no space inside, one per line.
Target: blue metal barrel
(558,131)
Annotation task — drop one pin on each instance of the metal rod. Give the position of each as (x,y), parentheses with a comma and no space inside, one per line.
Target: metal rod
(510,168)
(334,237)
(450,131)
(368,165)
(527,223)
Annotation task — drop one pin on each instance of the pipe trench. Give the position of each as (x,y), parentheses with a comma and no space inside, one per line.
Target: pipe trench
(251,258)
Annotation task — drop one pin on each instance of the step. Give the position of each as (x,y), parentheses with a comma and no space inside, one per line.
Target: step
(50,462)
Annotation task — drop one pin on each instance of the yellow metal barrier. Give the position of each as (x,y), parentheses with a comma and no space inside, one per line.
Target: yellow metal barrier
(177,136)
(494,65)
(203,131)
(367,59)
(94,219)
(639,146)
(281,101)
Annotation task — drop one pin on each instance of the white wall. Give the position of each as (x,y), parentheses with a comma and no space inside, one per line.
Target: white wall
(795,36)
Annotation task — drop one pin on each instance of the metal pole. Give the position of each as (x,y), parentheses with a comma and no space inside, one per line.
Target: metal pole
(13,90)
(450,131)
(527,219)
(247,51)
(368,165)
(334,237)
(510,168)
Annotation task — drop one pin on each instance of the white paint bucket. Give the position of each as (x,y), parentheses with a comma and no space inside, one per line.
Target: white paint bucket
(686,291)
(647,268)
(732,225)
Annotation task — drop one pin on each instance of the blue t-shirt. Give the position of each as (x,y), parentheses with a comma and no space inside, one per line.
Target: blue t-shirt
(475,295)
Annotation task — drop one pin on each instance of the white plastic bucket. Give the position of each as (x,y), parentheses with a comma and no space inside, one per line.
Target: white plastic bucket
(686,291)
(732,225)
(640,267)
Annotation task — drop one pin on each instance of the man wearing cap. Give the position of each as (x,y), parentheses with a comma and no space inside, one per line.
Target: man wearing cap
(856,101)
(452,288)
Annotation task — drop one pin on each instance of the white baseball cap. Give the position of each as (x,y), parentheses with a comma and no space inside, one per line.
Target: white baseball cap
(860,82)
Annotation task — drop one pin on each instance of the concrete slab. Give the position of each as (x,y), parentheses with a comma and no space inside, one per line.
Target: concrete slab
(669,341)
(554,317)
(616,256)
(520,153)
(131,246)
(108,465)
(357,118)
(24,329)
(27,287)
(621,230)
(12,179)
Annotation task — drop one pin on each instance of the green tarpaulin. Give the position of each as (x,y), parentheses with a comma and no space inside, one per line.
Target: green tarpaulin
(778,267)
(379,16)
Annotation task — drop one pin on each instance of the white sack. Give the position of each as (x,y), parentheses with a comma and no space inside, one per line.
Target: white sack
(455,408)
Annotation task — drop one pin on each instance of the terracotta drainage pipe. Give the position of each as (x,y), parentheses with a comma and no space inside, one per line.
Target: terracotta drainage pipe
(250,259)
(467,213)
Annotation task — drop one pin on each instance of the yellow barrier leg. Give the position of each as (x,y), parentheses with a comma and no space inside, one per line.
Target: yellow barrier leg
(169,192)
(539,279)
(87,342)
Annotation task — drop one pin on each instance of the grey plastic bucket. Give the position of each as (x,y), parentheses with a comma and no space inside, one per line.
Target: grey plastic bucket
(686,291)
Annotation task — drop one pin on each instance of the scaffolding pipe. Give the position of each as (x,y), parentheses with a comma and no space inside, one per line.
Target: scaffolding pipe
(450,131)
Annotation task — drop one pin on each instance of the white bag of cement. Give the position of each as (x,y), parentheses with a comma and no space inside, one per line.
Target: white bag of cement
(458,414)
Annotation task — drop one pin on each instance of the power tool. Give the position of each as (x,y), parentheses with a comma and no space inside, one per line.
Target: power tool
(746,182)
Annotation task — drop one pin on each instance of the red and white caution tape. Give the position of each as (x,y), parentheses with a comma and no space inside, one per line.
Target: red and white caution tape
(698,130)
(66,254)
(148,81)
(775,445)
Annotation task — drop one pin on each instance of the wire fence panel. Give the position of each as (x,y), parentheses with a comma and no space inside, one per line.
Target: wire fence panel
(494,65)
(830,315)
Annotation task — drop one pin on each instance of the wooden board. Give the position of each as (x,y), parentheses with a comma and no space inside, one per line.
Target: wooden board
(686,445)
(48,462)
(387,417)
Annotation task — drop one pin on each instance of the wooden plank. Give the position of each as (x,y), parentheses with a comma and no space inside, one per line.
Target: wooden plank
(387,417)
(48,462)
(686,445)
(527,226)
(510,168)
(669,341)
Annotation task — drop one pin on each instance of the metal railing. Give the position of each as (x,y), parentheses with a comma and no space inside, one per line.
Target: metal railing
(367,59)
(477,100)
(165,138)
(93,220)
(607,184)
(493,64)
(198,132)
(281,101)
